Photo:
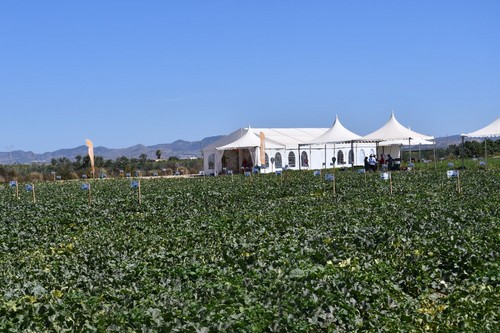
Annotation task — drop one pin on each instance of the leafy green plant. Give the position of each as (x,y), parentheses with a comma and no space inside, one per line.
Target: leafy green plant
(253,254)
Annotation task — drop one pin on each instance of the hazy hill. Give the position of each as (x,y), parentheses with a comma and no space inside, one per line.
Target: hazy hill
(179,148)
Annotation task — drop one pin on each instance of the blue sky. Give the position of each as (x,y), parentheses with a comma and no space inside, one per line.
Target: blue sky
(124,72)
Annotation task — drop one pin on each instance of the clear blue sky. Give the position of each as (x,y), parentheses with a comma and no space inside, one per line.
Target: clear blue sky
(124,72)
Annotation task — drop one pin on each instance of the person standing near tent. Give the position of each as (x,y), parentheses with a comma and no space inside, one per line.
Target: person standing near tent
(367,165)
(381,161)
(389,162)
(373,162)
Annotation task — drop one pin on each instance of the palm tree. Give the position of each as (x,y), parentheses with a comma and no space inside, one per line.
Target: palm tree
(158,154)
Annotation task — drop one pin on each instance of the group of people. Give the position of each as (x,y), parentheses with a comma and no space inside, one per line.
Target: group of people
(383,162)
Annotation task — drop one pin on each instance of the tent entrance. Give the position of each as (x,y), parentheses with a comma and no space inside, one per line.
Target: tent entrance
(237,159)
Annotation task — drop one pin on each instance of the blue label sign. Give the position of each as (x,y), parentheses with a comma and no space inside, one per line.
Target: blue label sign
(134,184)
(86,187)
(329,177)
(28,187)
(12,183)
(317,173)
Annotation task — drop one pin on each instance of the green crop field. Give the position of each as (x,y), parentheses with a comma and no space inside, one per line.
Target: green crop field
(254,254)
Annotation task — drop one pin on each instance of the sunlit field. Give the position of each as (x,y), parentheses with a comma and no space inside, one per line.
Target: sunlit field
(297,253)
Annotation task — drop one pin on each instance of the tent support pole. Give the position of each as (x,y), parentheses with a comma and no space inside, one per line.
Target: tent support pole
(325,156)
(300,158)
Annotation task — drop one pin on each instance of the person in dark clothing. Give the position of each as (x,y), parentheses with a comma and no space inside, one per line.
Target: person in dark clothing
(389,162)
(367,165)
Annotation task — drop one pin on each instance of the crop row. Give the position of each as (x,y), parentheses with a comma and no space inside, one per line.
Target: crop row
(252,254)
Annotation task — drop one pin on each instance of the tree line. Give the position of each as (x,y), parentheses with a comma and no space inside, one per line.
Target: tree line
(472,149)
(64,168)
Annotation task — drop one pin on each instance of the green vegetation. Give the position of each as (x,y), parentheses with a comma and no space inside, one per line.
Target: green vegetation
(261,253)
(67,169)
(252,254)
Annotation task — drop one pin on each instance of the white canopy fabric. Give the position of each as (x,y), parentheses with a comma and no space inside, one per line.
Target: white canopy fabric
(247,140)
(337,133)
(490,131)
(393,130)
(404,142)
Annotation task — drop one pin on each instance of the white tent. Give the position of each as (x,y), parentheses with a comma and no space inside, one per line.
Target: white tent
(336,133)
(251,141)
(392,134)
(490,131)
(244,144)
(330,140)
(393,130)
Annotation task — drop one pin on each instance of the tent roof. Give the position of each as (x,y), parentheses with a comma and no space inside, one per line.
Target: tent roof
(393,130)
(491,130)
(247,140)
(406,142)
(275,138)
(336,133)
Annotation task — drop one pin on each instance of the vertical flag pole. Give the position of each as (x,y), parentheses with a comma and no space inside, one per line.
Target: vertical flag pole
(17,190)
(34,196)
(459,190)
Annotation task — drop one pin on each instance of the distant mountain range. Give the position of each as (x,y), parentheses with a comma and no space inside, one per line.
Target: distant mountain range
(179,148)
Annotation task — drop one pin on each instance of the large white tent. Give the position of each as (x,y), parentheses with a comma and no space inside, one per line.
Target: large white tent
(303,148)
(281,146)
(393,135)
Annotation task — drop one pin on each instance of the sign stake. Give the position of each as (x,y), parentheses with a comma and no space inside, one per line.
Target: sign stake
(390,181)
(90,196)
(139,191)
